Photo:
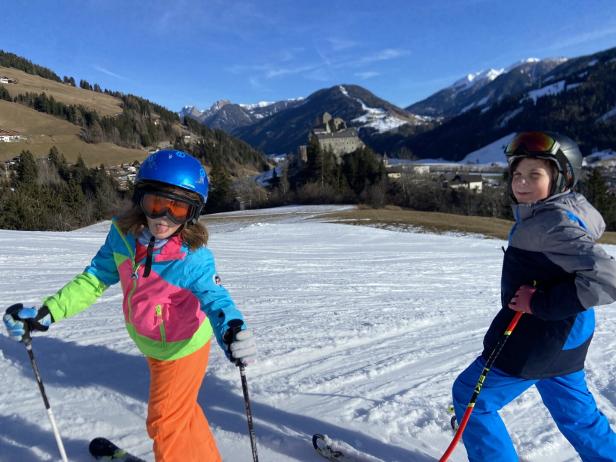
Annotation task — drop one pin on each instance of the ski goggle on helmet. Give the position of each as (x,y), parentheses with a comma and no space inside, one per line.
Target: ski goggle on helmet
(559,149)
(173,184)
(157,204)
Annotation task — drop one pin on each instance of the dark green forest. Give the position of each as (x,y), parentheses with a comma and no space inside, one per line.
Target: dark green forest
(53,195)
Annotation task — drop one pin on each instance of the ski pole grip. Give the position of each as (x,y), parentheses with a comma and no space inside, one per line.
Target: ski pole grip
(26,339)
(235,326)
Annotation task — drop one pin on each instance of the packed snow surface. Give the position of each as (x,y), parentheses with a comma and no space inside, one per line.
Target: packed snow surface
(361,333)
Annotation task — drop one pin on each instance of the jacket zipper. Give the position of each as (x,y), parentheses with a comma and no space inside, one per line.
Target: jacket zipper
(134,276)
(161,327)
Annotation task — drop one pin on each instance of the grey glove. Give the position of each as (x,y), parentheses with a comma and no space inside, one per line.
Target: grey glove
(241,348)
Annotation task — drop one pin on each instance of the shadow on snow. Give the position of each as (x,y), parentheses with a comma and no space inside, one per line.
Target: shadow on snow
(67,365)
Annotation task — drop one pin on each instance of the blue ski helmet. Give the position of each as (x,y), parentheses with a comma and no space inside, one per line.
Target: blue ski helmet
(175,168)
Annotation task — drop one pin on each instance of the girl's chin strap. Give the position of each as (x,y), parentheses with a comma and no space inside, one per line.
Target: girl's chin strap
(148,260)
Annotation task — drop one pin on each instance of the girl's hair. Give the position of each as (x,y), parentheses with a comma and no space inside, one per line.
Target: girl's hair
(132,220)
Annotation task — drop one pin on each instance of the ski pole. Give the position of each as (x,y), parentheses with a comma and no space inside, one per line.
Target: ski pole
(27,341)
(471,404)
(251,429)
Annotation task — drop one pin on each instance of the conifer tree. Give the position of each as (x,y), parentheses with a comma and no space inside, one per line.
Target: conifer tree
(27,171)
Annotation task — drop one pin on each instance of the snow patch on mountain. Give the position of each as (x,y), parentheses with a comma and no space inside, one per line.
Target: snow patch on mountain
(521,63)
(508,116)
(481,78)
(492,153)
(552,89)
(598,156)
(377,118)
(608,115)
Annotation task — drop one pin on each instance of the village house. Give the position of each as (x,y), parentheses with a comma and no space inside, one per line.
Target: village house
(9,136)
(124,174)
(468,181)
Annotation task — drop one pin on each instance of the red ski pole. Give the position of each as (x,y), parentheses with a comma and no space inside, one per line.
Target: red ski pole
(471,404)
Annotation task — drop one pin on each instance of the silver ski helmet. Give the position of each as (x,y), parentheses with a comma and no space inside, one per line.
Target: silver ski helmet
(557,148)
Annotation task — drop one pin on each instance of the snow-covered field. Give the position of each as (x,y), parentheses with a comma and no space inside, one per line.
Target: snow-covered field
(361,332)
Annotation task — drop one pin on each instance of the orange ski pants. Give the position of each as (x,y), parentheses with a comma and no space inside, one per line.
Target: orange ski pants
(175,420)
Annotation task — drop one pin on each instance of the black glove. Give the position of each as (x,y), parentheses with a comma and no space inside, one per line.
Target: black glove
(241,348)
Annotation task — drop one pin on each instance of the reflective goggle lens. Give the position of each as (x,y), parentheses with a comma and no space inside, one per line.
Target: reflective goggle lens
(531,142)
(155,206)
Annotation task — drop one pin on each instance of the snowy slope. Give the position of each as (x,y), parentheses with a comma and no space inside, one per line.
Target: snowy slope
(492,153)
(361,333)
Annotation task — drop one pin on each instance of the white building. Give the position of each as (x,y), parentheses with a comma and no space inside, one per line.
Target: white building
(9,136)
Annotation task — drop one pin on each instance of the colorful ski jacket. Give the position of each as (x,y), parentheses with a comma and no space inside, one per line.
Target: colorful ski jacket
(169,314)
(552,245)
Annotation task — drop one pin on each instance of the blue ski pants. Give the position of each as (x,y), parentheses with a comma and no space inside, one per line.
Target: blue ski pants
(567,398)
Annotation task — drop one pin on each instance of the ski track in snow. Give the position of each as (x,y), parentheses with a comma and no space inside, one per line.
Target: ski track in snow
(361,333)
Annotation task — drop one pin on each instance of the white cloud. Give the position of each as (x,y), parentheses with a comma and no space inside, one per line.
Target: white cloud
(283,71)
(383,55)
(108,72)
(367,74)
(578,39)
(338,44)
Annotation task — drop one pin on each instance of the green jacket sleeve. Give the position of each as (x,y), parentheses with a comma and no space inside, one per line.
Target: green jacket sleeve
(75,296)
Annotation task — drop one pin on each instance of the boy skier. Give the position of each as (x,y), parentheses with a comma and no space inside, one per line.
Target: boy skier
(554,272)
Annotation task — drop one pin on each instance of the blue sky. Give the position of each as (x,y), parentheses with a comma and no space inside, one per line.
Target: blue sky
(180,52)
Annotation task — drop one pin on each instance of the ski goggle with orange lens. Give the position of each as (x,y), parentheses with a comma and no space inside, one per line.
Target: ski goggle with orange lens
(532,142)
(160,204)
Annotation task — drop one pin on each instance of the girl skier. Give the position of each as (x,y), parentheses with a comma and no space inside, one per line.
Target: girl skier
(173,300)
(554,272)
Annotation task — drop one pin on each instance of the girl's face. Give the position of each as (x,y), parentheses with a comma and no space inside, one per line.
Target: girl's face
(531,180)
(162,228)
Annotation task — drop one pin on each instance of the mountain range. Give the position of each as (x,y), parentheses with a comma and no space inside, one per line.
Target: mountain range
(484,88)
(227,116)
(573,95)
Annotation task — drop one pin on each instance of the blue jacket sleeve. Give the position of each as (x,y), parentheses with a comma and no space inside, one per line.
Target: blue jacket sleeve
(103,264)
(84,289)
(215,300)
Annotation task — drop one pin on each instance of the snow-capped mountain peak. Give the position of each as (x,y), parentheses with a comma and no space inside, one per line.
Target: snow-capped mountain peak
(218,105)
(477,78)
(260,104)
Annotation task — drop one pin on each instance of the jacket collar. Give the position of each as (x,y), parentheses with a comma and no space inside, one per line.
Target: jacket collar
(522,212)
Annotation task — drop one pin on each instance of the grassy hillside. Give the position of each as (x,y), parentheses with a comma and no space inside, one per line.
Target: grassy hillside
(102,128)
(26,83)
(44,131)
(399,219)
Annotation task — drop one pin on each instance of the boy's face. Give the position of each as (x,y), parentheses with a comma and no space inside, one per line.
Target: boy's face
(531,180)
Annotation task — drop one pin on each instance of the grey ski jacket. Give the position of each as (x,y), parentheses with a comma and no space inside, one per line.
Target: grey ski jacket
(552,245)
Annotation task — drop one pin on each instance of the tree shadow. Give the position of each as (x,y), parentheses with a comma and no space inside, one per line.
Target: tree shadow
(68,365)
